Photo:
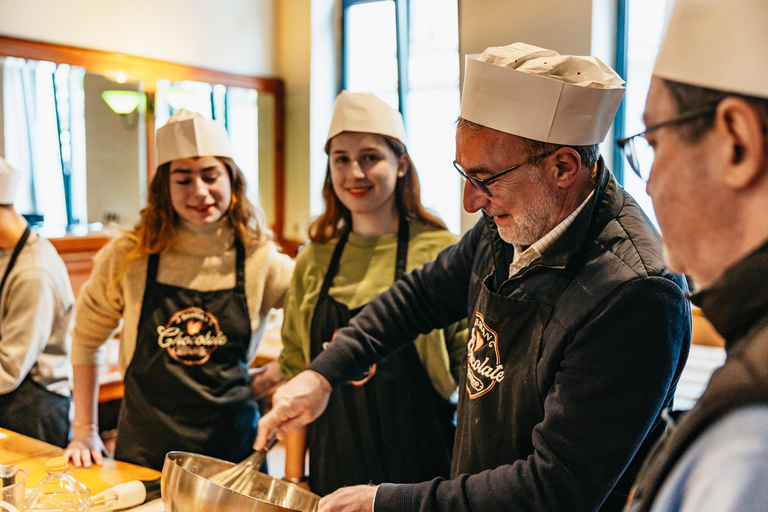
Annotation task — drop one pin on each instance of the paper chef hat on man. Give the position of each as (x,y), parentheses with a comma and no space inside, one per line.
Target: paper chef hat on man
(364,112)
(541,95)
(188,134)
(9,182)
(717,44)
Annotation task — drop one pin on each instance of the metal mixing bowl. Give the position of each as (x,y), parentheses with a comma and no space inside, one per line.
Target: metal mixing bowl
(186,487)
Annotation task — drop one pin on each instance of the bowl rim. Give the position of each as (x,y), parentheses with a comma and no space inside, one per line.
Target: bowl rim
(168,457)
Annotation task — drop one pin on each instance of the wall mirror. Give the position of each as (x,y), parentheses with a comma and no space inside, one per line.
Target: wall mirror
(80,126)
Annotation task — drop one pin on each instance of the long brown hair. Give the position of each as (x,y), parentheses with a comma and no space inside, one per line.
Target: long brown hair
(156,228)
(337,217)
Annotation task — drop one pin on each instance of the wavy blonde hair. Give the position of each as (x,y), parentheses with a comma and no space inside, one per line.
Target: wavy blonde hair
(337,217)
(156,229)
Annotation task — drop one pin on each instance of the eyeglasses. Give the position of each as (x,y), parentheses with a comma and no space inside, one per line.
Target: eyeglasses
(482,185)
(640,154)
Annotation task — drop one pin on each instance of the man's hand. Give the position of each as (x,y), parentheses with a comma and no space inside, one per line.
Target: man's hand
(349,499)
(294,405)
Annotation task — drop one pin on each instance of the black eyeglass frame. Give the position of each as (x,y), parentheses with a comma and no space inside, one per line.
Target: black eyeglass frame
(482,185)
(626,144)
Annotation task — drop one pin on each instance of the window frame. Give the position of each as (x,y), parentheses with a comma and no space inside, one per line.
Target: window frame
(402,27)
(620,66)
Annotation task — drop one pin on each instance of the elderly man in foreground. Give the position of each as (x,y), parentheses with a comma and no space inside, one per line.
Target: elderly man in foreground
(707,118)
(578,332)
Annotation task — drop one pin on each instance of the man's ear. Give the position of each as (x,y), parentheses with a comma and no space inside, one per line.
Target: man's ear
(741,127)
(565,165)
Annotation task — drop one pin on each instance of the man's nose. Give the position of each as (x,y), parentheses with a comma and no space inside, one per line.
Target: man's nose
(473,199)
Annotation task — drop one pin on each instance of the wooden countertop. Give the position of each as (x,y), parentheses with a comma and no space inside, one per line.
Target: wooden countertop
(31,454)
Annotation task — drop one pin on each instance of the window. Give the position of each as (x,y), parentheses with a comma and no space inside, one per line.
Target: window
(407,53)
(44,133)
(639,34)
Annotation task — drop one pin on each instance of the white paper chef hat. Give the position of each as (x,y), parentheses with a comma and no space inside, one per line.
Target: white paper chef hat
(541,95)
(717,44)
(188,134)
(9,182)
(364,112)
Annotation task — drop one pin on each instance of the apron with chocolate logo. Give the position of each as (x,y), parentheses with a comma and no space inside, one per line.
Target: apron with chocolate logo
(499,403)
(387,425)
(187,386)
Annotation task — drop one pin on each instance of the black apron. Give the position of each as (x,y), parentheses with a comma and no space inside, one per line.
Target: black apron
(31,409)
(499,402)
(388,425)
(187,386)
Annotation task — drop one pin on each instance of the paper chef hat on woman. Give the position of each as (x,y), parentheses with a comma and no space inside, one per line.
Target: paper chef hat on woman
(9,182)
(364,112)
(541,95)
(717,44)
(188,134)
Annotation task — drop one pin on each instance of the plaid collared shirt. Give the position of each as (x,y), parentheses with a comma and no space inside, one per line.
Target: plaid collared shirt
(520,260)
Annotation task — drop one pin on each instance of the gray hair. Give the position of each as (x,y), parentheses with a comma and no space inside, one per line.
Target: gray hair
(687,98)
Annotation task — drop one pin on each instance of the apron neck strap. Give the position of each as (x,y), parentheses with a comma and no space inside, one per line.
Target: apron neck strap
(333,266)
(239,265)
(403,235)
(14,256)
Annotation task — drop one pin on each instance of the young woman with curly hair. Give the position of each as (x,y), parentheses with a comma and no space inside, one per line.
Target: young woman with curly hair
(192,284)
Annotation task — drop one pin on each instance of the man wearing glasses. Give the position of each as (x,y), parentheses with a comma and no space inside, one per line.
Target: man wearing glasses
(707,118)
(578,333)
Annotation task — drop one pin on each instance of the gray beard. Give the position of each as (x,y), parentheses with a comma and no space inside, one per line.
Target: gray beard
(538,217)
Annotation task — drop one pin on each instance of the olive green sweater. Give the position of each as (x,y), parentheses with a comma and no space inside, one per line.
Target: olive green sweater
(366,269)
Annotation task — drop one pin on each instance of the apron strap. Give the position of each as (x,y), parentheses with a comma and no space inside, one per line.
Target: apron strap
(333,266)
(403,234)
(239,265)
(14,256)
(152,264)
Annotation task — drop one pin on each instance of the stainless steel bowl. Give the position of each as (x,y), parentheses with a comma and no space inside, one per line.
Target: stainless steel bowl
(185,487)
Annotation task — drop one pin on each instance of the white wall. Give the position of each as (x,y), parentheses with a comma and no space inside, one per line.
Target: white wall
(306,62)
(226,35)
(115,156)
(294,53)
(561,25)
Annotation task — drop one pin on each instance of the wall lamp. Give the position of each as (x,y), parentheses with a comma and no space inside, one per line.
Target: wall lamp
(123,102)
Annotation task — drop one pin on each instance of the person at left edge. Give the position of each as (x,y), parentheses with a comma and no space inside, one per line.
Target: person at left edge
(193,283)
(36,308)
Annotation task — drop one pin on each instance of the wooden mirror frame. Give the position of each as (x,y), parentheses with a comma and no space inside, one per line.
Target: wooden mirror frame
(149,72)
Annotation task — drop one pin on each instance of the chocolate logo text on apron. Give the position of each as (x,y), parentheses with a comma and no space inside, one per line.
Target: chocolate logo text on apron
(484,368)
(191,335)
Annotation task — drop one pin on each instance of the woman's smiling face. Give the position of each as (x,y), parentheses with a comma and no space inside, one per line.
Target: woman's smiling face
(200,189)
(364,173)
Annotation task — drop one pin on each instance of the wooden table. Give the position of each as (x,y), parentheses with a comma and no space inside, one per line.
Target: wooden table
(31,454)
